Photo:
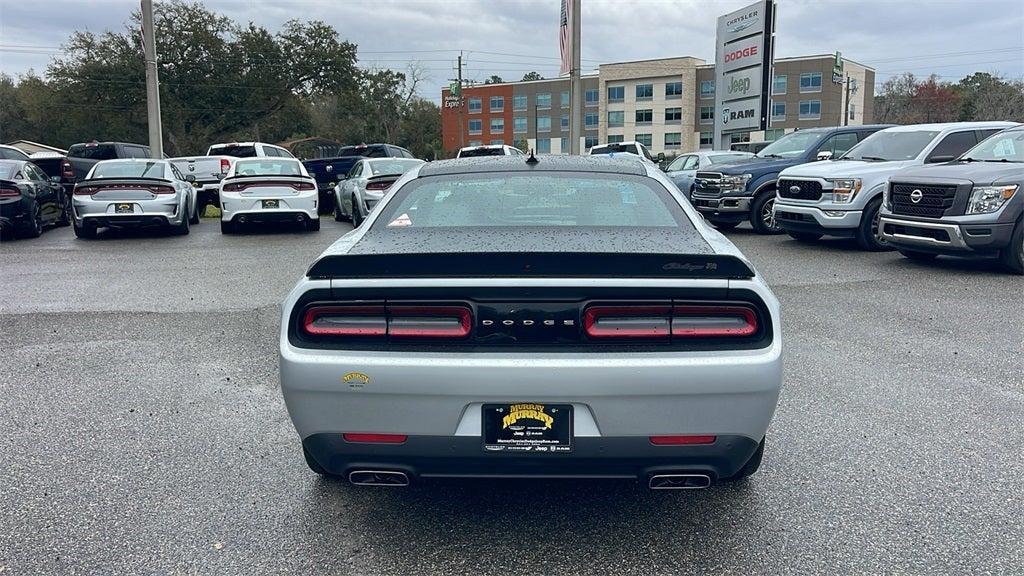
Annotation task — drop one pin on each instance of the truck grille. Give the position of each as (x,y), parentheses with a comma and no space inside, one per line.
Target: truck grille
(933,201)
(808,189)
(707,182)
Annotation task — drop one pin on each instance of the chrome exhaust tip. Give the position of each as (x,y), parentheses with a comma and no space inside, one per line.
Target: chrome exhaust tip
(378,478)
(679,481)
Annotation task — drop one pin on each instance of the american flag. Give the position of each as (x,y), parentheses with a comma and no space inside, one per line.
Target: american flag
(565,37)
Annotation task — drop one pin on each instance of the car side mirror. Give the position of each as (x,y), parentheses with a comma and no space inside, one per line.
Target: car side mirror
(824,155)
(190,178)
(941,159)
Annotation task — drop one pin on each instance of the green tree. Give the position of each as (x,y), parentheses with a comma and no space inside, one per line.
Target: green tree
(420,129)
(986,96)
(494,79)
(532,76)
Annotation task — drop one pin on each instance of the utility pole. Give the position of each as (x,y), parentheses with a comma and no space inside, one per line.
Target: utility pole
(846,108)
(575,85)
(462,127)
(156,139)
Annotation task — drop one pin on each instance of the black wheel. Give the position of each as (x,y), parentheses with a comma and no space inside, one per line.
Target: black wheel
(86,231)
(227,227)
(867,232)
(805,236)
(724,225)
(313,224)
(181,229)
(762,214)
(357,216)
(750,467)
(915,255)
(65,213)
(194,218)
(338,216)
(313,464)
(34,226)
(1012,257)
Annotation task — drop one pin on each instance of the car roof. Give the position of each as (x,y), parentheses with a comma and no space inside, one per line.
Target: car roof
(943,126)
(391,159)
(483,146)
(623,143)
(4,161)
(544,163)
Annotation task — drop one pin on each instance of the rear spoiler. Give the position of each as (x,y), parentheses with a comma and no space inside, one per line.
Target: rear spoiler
(530,265)
(124,179)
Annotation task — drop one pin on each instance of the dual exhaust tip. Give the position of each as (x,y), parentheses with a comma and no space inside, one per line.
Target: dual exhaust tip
(656,482)
(378,478)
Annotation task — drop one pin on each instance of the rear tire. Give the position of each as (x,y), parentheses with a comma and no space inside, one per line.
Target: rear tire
(181,229)
(313,464)
(34,229)
(313,224)
(1012,257)
(227,227)
(762,214)
(724,225)
(750,467)
(805,236)
(86,231)
(867,232)
(920,256)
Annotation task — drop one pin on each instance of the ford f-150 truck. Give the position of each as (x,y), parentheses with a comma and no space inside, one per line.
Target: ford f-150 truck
(971,207)
(842,197)
(743,191)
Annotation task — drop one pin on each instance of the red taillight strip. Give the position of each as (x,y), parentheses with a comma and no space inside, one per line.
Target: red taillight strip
(377,321)
(87,190)
(361,438)
(242,186)
(627,321)
(362,321)
(638,321)
(429,321)
(682,440)
(713,321)
(9,192)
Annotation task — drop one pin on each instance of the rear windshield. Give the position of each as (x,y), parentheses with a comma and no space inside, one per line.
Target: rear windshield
(129,170)
(93,151)
(393,166)
(481,152)
(615,149)
(517,199)
(1005,147)
(898,145)
(267,167)
(236,151)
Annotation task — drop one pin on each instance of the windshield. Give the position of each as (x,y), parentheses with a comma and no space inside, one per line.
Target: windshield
(93,151)
(792,145)
(517,199)
(615,149)
(889,146)
(1005,147)
(128,170)
(233,150)
(393,166)
(726,158)
(267,167)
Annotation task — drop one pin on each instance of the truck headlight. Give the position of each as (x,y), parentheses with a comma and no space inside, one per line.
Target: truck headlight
(738,182)
(988,199)
(844,189)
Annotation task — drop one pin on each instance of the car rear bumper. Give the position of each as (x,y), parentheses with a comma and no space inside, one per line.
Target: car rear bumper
(606,457)
(941,237)
(161,211)
(234,207)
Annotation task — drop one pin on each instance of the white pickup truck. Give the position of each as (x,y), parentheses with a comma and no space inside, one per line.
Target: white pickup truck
(209,170)
(842,197)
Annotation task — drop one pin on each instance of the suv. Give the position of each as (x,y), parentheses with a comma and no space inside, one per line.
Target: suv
(746,190)
(329,171)
(842,197)
(971,207)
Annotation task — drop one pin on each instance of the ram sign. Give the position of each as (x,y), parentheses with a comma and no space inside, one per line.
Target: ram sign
(743,64)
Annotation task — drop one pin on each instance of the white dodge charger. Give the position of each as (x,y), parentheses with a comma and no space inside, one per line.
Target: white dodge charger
(260,190)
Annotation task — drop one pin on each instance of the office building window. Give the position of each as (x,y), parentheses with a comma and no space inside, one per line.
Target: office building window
(519,124)
(475,105)
(616,93)
(616,118)
(475,143)
(773,134)
(544,124)
(644,139)
(644,117)
(476,126)
(544,100)
(563,145)
(565,122)
(673,90)
(565,99)
(519,102)
(810,109)
(673,115)
(853,111)
(497,104)
(497,142)
(615,138)
(497,125)
(644,92)
(590,120)
(779,85)
(707,88)
(589,142)
(707,139)
(591,96)
(707,114)
(778,110)
(673,140)
(810,82)
(543,145)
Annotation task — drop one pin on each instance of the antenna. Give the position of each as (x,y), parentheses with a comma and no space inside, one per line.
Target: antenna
(532,159)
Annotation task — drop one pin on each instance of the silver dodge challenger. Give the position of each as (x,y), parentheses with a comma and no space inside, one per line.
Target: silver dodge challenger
(531,317)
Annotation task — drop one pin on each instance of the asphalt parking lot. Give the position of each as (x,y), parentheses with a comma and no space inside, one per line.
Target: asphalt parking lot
(143,430)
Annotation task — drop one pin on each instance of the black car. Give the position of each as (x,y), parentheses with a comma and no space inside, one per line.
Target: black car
(328,171)
(30,200)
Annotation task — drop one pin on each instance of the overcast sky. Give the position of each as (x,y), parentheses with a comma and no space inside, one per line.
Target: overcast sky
(951,38)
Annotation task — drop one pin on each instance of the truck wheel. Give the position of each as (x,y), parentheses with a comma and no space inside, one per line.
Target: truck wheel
(724,225)
(805,236)
(1012,257)
(915,255)
(34,227)
(750,467)
(867,232)
(762,214)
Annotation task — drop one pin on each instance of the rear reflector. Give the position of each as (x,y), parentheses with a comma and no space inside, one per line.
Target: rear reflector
(662,321)
(375,438)
(681,440)
(380,321)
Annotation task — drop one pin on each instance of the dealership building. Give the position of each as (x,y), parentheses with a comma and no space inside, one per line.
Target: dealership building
(668,104)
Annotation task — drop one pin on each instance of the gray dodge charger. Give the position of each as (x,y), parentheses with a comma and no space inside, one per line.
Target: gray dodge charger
(530,317)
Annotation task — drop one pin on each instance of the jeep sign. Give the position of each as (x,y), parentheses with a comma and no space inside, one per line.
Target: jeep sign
(743,65)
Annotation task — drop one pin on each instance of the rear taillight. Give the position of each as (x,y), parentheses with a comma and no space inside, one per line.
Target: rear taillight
(231,187)
(225,165)
(359,438)
(67,170)
(425,321)
(6,192)
(304,186)
(663,321)
(682,440)
(379,185)
(85,190)
(89,190)
(161,189)
(242,186)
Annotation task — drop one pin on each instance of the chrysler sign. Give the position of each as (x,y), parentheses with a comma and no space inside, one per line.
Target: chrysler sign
(743,67)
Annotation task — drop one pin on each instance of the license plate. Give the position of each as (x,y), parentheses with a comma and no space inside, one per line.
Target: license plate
(123,209)
(269,204)
(527,427)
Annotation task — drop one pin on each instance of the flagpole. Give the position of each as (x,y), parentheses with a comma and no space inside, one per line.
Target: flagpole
(575,85)
(156,141)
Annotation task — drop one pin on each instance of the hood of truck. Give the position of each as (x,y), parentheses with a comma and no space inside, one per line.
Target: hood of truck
(756,167)
(847,169)
(981,173)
